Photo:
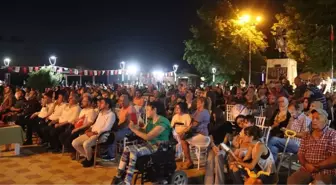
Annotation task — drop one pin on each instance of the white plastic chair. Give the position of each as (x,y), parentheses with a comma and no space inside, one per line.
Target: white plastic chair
(229,115)
(266,132)
(260,121)
(200,152)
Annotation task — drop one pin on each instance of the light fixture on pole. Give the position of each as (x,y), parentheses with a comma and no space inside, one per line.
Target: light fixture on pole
(175,67)
(52,60)
(7,61)
(214,70)
(122,67)
(246,19)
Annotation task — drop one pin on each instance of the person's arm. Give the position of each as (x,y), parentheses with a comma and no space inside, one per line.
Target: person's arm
(248,155)
(329,163)
(157,130)
(50,109)
(74,115)
(259,151)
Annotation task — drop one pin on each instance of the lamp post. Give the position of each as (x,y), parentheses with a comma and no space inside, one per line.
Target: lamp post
(7,75)
(246,19)
(213,70)
(175,67)
(122,67)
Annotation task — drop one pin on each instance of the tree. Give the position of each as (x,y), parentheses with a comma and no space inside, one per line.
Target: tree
(307,28)
(44,78)
(220,41)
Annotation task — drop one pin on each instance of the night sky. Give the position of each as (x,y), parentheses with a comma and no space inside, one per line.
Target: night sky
(100,34)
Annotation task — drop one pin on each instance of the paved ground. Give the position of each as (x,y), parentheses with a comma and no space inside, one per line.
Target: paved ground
(35,166)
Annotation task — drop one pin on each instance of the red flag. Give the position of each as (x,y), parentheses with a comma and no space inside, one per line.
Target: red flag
(10,69)
(332,33)
(108,72)
(36,68)
(99,72)
(24,70)
(91,73)
(70,71)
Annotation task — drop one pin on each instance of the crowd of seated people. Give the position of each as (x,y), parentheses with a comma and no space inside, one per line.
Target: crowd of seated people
(73,118)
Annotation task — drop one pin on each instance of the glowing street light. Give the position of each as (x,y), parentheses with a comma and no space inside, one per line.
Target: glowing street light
(132,69)
(175,67)
(52,60)
(7,61)
(246,19)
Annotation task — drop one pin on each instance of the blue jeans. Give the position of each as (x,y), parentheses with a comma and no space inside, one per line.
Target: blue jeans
(276,145)
(119,135)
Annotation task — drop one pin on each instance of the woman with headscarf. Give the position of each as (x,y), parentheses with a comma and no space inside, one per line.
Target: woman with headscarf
(280,118)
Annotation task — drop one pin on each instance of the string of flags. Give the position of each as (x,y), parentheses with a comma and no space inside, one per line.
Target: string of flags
(74,71)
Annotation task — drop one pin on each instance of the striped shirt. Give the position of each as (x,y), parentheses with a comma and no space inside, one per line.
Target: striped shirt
(317,95)
(299,124)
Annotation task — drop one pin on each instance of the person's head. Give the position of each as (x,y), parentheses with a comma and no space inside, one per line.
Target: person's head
(240,120)
(316,80)
(19,94)
(48,97)
(73,99)
(86,102)
(319,119)
(105,94)
(297,81)
(173,97)
(294,110)
(138,93)
(271,99)
(123,100)
(306,104)
(239,92)
(7,89)
(181,108)
(278,87)
(60,99)
(316,105)
(152,109)
(252,133)
(105,104)
(32,95)
(249,121)
(282,102)
(200,103)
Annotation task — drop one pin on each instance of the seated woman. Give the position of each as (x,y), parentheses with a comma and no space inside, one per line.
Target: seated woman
(181,123)
(259,156)
(198,132)
(157,130)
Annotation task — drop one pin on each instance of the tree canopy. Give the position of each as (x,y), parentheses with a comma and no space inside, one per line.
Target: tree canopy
(307,29)
(221,41)
(44,78)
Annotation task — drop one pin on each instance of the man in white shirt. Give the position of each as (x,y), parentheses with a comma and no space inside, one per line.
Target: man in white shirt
(86,118)
(84,143)
(53,118)
(66,120)
(34,121)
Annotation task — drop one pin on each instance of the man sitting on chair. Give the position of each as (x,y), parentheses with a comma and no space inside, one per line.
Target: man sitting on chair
(317,153)
(84,143)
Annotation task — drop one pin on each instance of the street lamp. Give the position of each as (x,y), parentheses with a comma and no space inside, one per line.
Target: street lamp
(52,60)
(122,67)
(246,19)
(214,70)
(7,61)
(132,70)
(175,67)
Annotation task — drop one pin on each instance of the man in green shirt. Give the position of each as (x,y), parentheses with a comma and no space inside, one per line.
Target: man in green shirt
(156,130)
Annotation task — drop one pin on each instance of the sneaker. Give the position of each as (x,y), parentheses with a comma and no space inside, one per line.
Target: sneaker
(88,163)
(85,161)
(108,159)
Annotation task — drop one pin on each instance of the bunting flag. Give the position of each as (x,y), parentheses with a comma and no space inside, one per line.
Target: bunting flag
(103,72)
(120,71)
(98,72)
(70,71)
(91,73)
(24,70)
(85,72)
(30,69)
(95,72)
(116,72)
(76,71)
(10,69)
(108,72)
(36,68)
(17,69)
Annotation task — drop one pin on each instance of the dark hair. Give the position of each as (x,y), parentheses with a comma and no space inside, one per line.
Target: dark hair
(309,102)
(239,116)
(295,105)
(253,131)
(158,106)
(204,100)
(107,101)
(250,119)
(183,106)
